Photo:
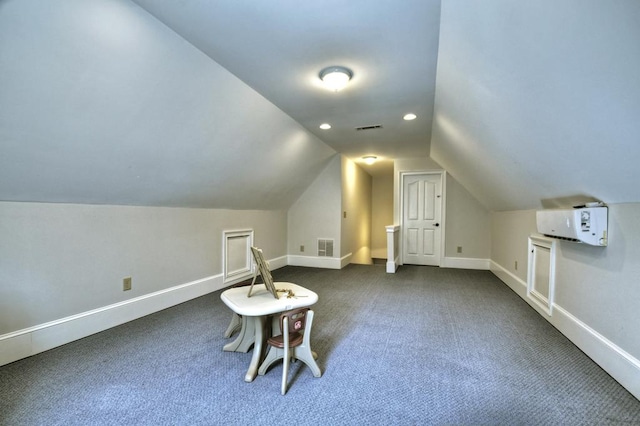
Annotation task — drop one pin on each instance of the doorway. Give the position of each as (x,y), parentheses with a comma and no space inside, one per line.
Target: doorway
(422,227)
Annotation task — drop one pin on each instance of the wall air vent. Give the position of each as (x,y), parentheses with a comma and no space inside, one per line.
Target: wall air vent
(374,127)
(325,248)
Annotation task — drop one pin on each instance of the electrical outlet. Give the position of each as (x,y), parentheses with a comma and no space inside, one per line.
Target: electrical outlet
(459,249)
(344,215)
(302,249)
(126,283)
(516,265)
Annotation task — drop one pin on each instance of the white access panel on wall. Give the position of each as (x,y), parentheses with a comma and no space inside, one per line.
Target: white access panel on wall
(541,272)
(237,262)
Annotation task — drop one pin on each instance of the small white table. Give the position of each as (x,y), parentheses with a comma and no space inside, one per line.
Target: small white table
(257,308)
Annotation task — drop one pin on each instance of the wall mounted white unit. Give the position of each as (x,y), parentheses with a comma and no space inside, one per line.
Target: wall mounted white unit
(586,225)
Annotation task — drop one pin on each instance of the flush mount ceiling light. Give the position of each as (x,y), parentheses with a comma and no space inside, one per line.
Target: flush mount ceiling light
(335,78)
(325,126)
(369,159)
(410,116)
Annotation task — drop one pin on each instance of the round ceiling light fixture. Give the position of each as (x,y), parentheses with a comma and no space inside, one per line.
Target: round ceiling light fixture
(369,159)
(410,116)
(335,78)
(325,126)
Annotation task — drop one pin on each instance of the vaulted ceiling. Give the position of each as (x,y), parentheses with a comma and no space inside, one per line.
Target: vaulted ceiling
(538,102)
(217,104)
(279,48)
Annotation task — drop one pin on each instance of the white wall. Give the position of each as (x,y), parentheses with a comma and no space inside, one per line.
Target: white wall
(356,203)
(596,290)
(539,99)
(381,213)
(316,214)
(319,213)
(468,224)
(509,235)
(62,261)
(103,104)
(467,221)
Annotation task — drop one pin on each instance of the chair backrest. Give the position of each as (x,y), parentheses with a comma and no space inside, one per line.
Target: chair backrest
(296,320)
(263,269)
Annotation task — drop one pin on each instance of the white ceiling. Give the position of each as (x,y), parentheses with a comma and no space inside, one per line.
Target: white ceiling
(538,102)
(279,47)
(100,103)
(217,103)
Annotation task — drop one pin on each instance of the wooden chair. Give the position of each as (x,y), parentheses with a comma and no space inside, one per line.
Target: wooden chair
(293,342)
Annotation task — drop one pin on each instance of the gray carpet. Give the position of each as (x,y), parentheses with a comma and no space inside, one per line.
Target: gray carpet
(423,346)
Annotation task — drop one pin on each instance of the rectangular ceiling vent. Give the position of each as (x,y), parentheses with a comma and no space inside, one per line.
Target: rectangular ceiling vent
(374,127)
(325,248)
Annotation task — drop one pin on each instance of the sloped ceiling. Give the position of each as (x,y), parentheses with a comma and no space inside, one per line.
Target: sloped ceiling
(279,47)
(101,103)
(537,101)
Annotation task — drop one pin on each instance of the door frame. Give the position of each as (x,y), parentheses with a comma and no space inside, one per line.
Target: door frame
(443,182)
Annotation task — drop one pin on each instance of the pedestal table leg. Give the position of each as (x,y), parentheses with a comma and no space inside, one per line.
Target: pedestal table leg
(259,323)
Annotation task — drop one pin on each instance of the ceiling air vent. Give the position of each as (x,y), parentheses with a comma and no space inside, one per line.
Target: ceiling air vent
(374,127)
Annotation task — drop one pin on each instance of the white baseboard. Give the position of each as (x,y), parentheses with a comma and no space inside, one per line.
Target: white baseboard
(345,260)
(23,343)
(514,282)
(465,263)
(623,367)
(392,265)
(33,340)
(278,262)
(319,262)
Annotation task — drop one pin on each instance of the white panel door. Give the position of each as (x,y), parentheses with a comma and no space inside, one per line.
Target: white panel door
(422,207)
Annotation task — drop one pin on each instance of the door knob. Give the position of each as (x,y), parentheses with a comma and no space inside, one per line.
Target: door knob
(436,224)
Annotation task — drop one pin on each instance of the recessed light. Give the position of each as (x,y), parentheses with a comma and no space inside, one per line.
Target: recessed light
(410,116)
(325,126)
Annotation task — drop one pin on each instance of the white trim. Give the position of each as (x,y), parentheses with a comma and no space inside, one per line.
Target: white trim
(622,366)
(33,340)
(546,303)
(465,263)
(248,269)
(277,263)
(393,256)
(443,214)
(506,276)
(392,266)
(319,262)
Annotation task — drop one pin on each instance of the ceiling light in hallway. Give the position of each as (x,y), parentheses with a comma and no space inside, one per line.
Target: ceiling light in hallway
(325,126)
(369,159)
(335,78)
(410,116)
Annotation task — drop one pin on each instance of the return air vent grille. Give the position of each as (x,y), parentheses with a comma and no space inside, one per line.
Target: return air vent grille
(325,248)
(374,127)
